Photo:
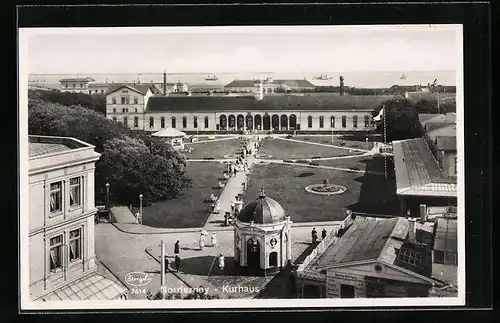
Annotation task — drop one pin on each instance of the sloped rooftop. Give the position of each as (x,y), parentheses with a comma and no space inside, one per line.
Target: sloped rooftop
(446,235)
(268,103)
(418,173)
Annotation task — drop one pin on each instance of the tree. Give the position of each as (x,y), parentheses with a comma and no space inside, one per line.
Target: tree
(402,119)
(95,102)
(131,163)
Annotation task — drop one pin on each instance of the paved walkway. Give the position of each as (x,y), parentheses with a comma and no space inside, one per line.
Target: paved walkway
(122,214)
(210,140)
(233,187)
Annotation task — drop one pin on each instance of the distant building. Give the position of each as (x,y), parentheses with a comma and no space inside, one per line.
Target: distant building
(270,86)
(440,133)
(370,258)
(127,104)
(419,178)
(75,85)
(62,260)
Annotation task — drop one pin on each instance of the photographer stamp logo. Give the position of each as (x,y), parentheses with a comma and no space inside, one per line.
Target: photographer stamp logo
(137,279)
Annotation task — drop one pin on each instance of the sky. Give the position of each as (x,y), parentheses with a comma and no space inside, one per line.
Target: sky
(233,50)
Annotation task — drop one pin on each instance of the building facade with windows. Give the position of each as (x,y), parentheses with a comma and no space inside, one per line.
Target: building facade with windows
(61,222)
(126,103)
(316,112)
(270,85)
(75,85)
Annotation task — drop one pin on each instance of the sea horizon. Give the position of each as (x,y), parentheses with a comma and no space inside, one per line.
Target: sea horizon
(368,79)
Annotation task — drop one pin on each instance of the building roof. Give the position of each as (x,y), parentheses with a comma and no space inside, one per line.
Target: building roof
(447,118)
(418,173)
(140,88)
(77,79)
(268,103)
(90,287)
(366,239)
(45,145)
(435,130)
(446,235)
(264,210)
(241,83)
(169,133)
(447,143)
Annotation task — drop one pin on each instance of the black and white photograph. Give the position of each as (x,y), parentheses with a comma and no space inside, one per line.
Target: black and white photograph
(241,166)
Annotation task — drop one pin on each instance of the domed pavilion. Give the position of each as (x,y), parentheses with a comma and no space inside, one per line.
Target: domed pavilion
(262,236)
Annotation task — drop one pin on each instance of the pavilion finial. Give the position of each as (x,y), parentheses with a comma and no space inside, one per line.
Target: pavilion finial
(262,191)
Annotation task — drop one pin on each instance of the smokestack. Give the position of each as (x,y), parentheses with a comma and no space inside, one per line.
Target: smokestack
(412,230)
(164,83)
(423,212)
(341,87)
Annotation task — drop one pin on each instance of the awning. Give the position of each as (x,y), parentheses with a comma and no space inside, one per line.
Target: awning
(169,133)
(90,287)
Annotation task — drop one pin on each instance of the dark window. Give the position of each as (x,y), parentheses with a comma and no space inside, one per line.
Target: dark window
(123,100)
(411,257)
(74,192)
(114,110)
(151,122)
(136,122)
(136,99)
(56,197)
(344,122)
(195,122)
(75,244)
(162,122)
(309,122)
(332,122)
(56,252)
(438,257)
(367,121)
(114,119)
(346,291)
(123,110)
(125,121)
(206,122)
(355,121)
(321,122)
(173,122)
(113,100)
(184,122)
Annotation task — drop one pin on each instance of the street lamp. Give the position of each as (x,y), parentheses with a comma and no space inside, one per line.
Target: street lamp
(140,206)
(107,196)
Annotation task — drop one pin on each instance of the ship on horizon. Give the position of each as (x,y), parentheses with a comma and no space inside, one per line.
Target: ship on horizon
(322,77)
(212,77)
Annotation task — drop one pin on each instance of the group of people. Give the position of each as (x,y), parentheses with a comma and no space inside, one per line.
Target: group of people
(213,239)
(215,206)
(314,235)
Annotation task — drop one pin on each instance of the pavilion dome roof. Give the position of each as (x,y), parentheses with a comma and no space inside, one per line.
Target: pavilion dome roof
(264,210)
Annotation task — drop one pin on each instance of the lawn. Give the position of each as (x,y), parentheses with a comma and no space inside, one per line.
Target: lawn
(284,149)
(337,141)
(190,209)
(355,163)
(214,149)
(286,184)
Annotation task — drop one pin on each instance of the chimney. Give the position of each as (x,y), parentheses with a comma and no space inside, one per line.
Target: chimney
(423,212)
(341,86)
(164,83)
(412,230)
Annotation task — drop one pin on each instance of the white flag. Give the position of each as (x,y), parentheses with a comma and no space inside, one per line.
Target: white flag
(378,117)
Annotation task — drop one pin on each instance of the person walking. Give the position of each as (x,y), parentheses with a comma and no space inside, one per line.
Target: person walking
(202,241)
(314,235)
(234,172)
(176,248)
(217,206)
(166,265)
(323,234)
(177,263)
(213,239)
(221,262)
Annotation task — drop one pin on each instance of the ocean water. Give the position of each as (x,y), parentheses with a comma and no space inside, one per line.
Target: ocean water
(354,79)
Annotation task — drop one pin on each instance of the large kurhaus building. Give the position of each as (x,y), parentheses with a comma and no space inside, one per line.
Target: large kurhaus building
(139,109)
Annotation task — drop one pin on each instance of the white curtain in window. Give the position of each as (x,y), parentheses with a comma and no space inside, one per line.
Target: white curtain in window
(52,203)
(53,257)
(72,249)
(71,199)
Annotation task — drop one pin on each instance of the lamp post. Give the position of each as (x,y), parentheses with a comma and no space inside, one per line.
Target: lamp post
(107,196)
(140,207)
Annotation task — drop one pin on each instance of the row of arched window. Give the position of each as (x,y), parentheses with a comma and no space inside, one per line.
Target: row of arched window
(332,122)
(206,122)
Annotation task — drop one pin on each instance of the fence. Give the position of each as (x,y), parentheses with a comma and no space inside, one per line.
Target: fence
(325,243)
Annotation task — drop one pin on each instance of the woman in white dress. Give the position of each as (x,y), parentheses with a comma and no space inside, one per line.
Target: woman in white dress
(221,262)
(214,239)
(202,241)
